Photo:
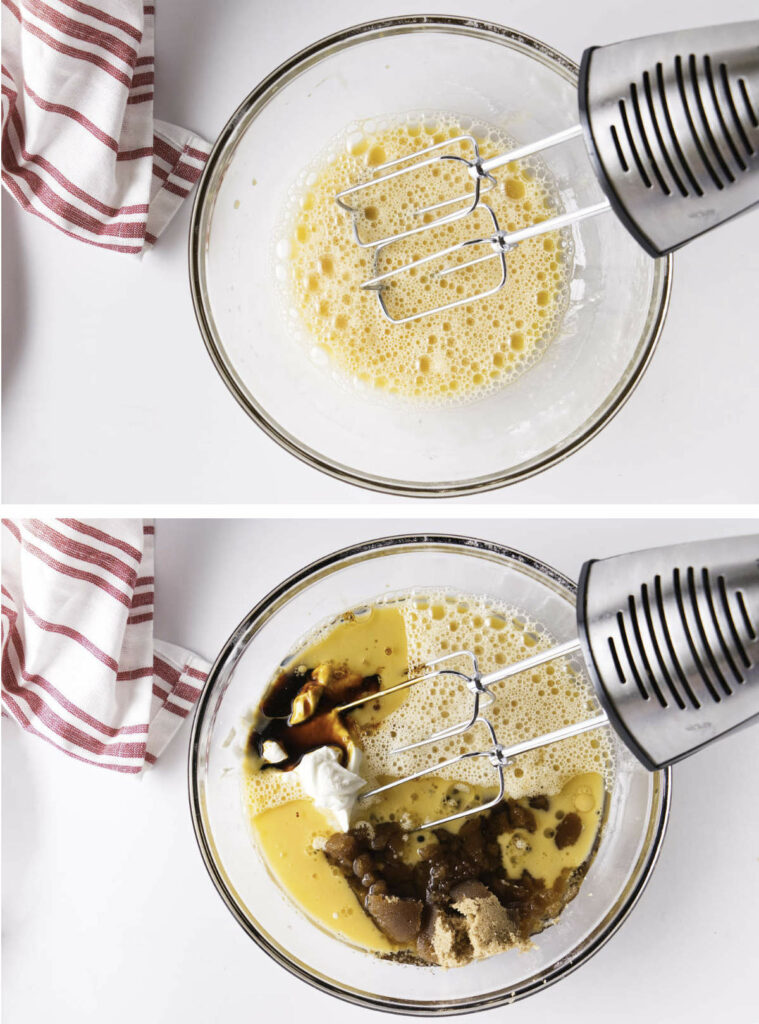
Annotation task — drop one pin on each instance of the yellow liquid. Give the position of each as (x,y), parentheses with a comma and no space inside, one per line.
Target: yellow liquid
(289,830)
(285,836)
(458,354)
(537,852)
(372,641)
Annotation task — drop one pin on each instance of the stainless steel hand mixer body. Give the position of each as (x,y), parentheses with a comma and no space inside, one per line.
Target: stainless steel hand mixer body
(671,125)
(670,639)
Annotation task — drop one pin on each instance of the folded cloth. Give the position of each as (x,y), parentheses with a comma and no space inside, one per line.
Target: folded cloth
(80,146)
(80,666)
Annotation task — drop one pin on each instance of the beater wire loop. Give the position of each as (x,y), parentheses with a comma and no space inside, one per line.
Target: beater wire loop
(500,756)
(479,171)
(500,242)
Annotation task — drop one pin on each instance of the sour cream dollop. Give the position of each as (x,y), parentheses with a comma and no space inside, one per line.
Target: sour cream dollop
(331,787)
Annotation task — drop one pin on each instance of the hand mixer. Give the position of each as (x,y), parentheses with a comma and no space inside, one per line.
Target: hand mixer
(670,640)
(671,125)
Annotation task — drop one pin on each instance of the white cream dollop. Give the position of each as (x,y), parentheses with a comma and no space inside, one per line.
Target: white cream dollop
(331,787)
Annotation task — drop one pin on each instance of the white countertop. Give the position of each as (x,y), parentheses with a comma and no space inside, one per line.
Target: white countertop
(109,396)
(109,914)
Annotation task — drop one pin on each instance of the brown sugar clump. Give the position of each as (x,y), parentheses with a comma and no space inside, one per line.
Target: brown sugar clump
(476,926)
(400,919)
(568,831)
(489,926)
(444,941)
(456,903)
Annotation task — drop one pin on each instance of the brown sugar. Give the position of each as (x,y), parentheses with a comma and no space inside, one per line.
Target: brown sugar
(489,927)
(456,903)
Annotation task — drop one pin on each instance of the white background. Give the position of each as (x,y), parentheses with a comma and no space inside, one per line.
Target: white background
(109,395)
(109,914)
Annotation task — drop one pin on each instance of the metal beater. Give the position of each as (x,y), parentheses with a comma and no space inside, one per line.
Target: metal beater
(671,125)
(670,639)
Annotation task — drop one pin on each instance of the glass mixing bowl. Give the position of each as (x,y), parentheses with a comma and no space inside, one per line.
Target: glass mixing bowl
(477,70)
(632,834)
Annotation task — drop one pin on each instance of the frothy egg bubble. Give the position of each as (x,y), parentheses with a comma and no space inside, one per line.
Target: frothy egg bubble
(456,356)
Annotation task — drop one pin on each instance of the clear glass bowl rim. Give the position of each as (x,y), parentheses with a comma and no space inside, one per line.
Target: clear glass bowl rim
(255,619)
(200,221)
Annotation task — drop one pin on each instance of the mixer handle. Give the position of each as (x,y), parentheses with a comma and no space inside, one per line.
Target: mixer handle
(670,638)
(671,123)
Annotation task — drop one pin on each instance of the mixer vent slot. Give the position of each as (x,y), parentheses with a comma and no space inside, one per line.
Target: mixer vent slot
(647,144)
(684,621)
(658,651)
(670,645)
(643,653)
(730,619)
(744,612)
(705,122)
(615,659)
(630,659)
(636,656)
(659,137)
(732,146)
(663,99)
(688,128)
(633,148)
(750,110)
(713,620)
(730,656)
(618,146)
(701,626)
(726,88)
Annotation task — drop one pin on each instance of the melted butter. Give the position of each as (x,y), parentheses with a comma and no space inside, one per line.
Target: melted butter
(285,836)
(372,641)
(454,355)
(537,852)
(427,799)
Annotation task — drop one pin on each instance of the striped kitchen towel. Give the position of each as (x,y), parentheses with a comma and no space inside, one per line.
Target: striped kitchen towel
(80,146)
(80,666)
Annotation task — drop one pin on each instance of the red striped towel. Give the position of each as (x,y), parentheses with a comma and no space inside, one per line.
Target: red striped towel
(80,146)
(80,666)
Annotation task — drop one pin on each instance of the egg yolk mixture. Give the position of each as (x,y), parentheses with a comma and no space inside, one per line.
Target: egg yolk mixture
(456,355)
(474,887)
